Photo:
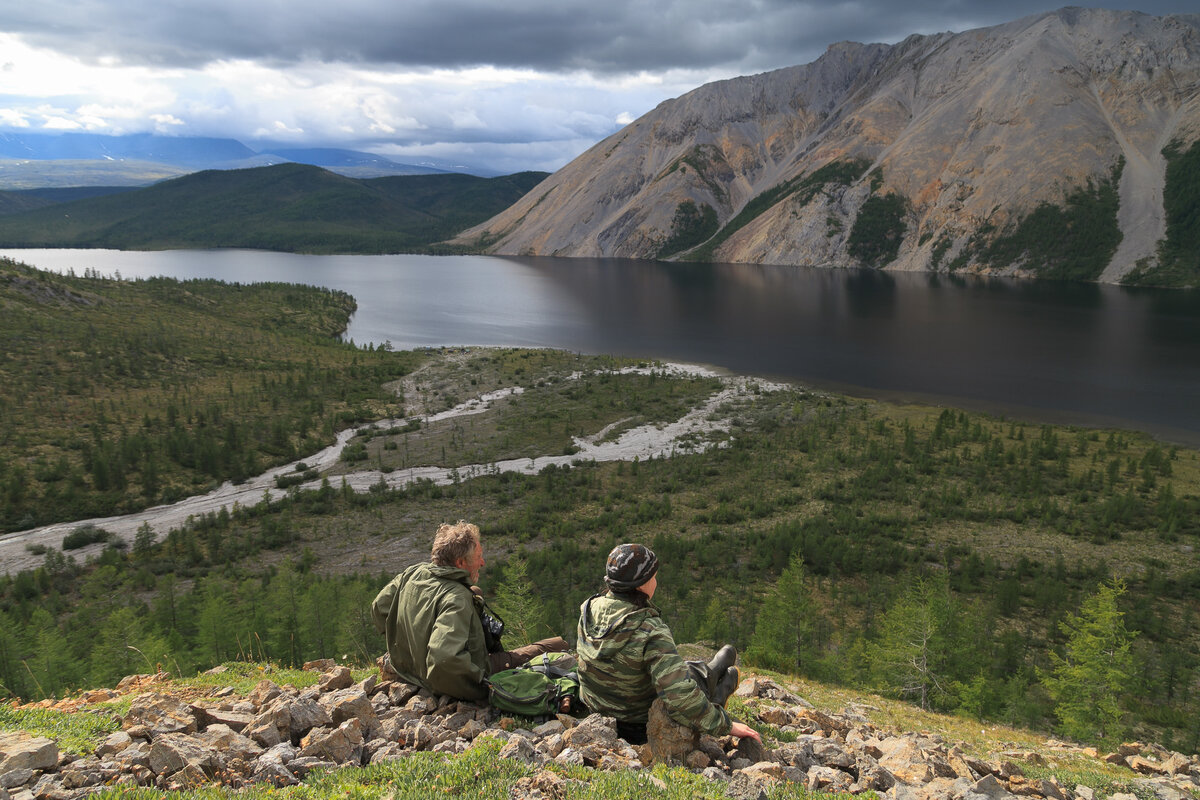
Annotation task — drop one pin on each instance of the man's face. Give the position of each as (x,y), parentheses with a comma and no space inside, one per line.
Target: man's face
(472,563)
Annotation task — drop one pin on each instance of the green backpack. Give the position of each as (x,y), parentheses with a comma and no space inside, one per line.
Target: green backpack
(536,689)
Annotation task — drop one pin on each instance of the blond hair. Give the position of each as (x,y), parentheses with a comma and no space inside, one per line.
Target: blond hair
(453,543)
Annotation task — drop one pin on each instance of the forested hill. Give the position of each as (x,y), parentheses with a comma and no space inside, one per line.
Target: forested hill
(290,207)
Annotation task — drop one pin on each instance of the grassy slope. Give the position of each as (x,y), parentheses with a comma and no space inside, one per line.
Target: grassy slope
(291,207)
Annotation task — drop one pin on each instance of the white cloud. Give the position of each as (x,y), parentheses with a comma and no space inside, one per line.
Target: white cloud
(61,124)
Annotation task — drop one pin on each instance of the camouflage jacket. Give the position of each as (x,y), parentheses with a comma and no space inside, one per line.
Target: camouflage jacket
(434,634)
(627,658)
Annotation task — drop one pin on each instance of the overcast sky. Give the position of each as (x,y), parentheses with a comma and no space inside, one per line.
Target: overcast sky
(513,84)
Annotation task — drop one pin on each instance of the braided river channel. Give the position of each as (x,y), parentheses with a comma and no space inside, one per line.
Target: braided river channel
(1045,351)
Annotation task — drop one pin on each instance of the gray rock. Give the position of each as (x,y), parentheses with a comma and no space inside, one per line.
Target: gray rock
(335,679)
(570,757)
(344,704)
(551,745)
(550,728)
(136,755)
(75,777)
(400,693)
(521,749)
(389,752)
(172,752)
(230,743)
(828,753)
(15,777)
(873,776)
(114,743)
(828,779)
(282,753)
(593,729)
(263,693)
(306,713)
(159,714)
(234,720)
(49,787)
(341,745)
(1162,789)
(274,773)
(715,774)
(303,765)
(743,787)
(796,754)
(19,750)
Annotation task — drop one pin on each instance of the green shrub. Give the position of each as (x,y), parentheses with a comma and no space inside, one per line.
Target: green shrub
(878,230)
(83,536)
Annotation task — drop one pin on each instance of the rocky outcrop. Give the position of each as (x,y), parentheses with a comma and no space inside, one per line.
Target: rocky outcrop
(167,743)
(973,130)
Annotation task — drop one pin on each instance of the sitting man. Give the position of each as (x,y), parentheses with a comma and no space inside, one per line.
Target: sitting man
(627,657)
(432,616)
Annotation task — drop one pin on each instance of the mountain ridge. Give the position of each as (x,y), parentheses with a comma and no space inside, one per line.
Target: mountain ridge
(974,131)
(287,207)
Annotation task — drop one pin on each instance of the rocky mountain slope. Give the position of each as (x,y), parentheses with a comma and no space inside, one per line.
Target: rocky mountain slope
(175,737)
(934,149)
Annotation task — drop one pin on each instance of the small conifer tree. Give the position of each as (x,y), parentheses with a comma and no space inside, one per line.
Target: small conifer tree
(523,612)
(782,637)
(1087,681)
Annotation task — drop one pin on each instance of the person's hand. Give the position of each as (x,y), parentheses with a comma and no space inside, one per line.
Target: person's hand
(741,730)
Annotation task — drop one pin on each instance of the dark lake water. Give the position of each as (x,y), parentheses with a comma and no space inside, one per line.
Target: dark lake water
(1050,351)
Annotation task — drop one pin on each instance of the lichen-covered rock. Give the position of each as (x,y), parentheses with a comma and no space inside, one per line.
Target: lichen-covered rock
(521,749)
(592,730)
(670,742)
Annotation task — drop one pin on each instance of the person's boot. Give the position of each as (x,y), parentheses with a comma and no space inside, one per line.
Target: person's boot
(726,686)
(724,658)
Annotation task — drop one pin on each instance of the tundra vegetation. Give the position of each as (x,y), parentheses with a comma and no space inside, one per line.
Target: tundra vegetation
(964,562)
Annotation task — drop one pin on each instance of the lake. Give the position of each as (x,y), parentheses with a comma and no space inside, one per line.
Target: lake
(1052,351)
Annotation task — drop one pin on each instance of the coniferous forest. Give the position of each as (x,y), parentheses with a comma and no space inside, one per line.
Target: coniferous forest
(1004,570)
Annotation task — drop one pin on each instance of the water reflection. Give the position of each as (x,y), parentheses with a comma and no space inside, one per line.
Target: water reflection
(1056,351)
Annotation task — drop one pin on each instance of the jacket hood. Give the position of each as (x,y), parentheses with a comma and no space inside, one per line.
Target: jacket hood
(602,616)
(447,573)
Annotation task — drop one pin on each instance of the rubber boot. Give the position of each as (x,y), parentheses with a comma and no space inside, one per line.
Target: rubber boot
(726,686)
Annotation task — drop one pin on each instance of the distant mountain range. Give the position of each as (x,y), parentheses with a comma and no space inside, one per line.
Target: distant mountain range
(288,207)
(1060,145)
(38,160)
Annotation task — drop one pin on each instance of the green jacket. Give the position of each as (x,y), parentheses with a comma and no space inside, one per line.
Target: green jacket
(434,634)
(627,658)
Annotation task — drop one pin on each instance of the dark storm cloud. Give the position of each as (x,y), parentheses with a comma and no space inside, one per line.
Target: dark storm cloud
(545,35)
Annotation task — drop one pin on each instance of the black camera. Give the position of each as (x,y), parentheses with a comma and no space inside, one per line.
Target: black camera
(493,629)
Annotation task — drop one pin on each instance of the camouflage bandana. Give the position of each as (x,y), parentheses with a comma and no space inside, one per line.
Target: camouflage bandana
(629,566)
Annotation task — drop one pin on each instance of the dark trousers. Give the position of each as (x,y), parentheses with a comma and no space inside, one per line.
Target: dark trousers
(507,659)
